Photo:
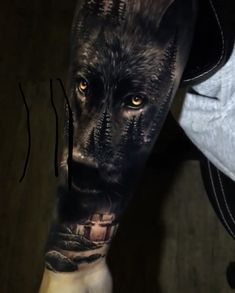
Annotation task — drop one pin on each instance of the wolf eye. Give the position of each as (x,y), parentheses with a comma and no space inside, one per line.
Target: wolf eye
(135,101)
(83,86)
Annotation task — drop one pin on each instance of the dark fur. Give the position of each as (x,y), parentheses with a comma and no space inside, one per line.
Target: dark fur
(136,49)
(121,48)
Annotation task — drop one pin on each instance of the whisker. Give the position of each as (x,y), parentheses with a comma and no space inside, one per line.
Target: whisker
(56,126)
(28,132)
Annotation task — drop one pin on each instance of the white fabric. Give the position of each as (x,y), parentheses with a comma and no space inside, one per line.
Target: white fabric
(210,123)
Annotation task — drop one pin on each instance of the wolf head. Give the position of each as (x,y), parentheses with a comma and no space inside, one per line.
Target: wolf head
(127,58)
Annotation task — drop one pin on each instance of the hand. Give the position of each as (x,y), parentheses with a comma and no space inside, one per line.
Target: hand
(96,279)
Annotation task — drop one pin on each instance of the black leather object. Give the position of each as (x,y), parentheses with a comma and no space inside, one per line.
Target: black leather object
(213,41)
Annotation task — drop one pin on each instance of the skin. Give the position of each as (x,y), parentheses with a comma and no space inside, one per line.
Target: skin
(127,58)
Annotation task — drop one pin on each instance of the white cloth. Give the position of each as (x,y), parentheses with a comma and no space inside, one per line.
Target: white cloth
(210,123)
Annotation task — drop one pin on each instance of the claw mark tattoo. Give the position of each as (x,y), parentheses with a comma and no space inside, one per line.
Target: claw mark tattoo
(127,58)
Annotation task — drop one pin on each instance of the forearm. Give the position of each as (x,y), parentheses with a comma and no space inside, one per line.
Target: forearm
(79,238)
(120,91)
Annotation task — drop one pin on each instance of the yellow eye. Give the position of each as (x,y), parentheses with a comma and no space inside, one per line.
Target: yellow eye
(83,86)
(136,101)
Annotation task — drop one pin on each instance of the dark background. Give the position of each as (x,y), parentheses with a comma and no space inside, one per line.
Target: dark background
(170,239)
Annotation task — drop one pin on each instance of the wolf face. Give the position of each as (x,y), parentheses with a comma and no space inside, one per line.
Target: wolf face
(127,58)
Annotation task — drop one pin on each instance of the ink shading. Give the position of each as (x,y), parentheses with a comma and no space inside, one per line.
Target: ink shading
(127,58)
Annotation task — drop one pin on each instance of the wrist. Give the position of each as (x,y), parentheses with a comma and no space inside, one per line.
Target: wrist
(93,278)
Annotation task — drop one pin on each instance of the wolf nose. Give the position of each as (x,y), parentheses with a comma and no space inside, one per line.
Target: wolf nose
(85,175)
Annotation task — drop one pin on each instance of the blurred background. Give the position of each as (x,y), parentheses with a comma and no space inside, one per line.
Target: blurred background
(169,240)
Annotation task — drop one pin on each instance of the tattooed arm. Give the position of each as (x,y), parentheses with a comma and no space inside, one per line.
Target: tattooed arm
(127,59)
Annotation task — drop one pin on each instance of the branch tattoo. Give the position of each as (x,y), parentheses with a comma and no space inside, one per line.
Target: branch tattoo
(127,58)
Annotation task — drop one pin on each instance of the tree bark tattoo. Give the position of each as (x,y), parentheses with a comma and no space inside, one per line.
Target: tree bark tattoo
(127,59)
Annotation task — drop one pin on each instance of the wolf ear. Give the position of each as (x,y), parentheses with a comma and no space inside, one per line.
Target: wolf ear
(90,12)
